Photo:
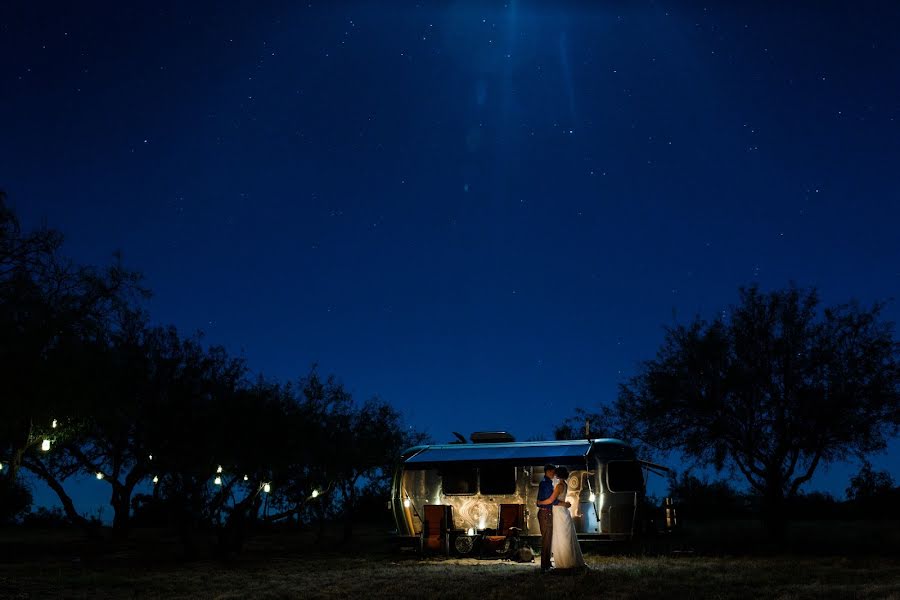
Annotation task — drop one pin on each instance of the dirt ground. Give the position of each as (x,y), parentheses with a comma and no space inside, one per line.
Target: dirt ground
(75,571)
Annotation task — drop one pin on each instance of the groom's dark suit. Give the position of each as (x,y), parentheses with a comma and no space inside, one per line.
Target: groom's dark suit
(545,520)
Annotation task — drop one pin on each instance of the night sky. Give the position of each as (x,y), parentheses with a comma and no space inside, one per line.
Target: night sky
(483,212)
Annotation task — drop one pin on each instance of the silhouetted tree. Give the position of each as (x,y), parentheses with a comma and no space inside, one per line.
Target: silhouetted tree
(873,494)
(373,441)
(15,500)
(776,389)
(699,499)
(194,426)
(104,436)
(129,403)
(340,451)
(869,483)
(322,415)
(256,442)
(51,310)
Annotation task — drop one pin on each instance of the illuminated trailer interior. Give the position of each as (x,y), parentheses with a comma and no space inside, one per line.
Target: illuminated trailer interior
(443,494)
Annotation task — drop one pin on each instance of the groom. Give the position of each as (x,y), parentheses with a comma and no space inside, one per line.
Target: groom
(545,516)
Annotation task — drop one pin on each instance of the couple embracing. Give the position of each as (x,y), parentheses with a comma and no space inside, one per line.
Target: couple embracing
(557,529)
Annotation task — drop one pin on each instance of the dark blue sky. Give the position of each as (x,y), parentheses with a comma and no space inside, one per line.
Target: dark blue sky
(484,212)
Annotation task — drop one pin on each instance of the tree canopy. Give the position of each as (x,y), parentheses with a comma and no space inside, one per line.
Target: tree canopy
(92,388)
(775,389)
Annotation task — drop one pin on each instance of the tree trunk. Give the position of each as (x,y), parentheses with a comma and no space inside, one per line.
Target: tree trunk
(320,515)
(121,505)
(16,463)
(68,506)
(774,514)
(350,503)
(18,456)
(187,511)
(235,531)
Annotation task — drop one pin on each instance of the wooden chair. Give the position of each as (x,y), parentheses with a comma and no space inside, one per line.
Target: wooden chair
(512,517)
(436,526)
(511,523)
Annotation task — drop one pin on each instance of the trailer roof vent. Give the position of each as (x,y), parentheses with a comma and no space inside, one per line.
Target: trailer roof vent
(491,437)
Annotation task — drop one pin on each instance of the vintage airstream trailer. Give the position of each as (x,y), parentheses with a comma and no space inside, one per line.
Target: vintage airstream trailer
(606,486)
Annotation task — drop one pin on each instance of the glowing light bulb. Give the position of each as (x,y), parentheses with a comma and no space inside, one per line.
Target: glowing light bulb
(1,466)
(53,424)
(219,470)
(217,480)
(471,531)
(100,475)
(150,457)
(407,503)
(315,494)
(45,445)
(155,479)
(592,497)
(246,478)
(267,488)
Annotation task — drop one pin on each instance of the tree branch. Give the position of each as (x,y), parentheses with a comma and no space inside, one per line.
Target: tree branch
(760,487)
(795,485)
(38,468)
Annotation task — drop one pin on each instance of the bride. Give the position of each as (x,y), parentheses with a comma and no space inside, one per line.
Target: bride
(566,551)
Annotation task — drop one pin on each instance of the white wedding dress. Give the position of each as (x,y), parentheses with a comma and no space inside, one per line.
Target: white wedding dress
(566,551)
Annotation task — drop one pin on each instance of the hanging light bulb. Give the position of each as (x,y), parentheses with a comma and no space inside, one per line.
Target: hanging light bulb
(45,445)
(53,424)
(407,503)
(155,479)
(315,494)
(150,457)
(100,475)
(592,497)
(217,480)
(219,470)
(267,488)
(246,478)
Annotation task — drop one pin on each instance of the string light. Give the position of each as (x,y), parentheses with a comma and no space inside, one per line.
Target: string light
(315,494)
(150,457)
(53,424)
(246,478)
(155,479)
(45,445)
(219,470)
(1,466)
(217,480)
(267,488)
(100,475)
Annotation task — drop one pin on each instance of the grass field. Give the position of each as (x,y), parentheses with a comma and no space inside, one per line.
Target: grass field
(282,566)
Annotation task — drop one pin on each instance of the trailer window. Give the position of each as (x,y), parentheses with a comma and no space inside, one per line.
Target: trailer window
(498,479)
(624,476)
(459,480)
